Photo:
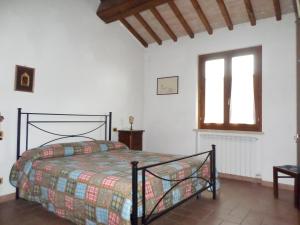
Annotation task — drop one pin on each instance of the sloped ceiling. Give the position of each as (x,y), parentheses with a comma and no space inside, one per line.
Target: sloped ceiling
(156,21)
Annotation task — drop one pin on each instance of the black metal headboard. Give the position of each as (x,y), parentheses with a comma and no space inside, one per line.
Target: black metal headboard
(102,121)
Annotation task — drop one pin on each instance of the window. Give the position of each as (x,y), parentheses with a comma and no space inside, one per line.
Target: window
(230,90)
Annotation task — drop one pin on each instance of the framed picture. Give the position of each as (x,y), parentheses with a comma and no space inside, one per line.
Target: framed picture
(167,85)
(24,80)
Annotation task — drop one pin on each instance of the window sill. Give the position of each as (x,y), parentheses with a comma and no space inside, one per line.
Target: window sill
(237,133)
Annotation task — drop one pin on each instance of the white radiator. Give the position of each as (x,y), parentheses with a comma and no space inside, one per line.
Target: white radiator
(236,154)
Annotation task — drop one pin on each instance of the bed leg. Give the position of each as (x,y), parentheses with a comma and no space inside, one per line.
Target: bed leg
(134,214)
(198,196)
(213,171)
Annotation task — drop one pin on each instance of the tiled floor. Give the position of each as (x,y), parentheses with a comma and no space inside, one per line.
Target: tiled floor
(237,203)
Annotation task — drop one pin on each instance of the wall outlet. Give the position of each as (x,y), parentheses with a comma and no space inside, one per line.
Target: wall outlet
(258,175)
(1,180)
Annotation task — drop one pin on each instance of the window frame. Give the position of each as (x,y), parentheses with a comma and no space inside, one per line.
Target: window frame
(257,79)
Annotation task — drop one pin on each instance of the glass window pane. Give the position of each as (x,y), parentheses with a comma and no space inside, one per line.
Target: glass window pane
(214,91)
(242,107)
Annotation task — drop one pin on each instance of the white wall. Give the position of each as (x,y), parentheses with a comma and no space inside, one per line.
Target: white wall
(169,120)
(85,66)
(82,66)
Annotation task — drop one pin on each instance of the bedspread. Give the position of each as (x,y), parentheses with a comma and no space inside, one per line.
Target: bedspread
(90,182)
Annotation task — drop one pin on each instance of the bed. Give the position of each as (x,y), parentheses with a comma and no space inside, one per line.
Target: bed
(103,182)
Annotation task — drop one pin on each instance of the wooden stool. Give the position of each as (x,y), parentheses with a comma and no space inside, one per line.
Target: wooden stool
(292,172)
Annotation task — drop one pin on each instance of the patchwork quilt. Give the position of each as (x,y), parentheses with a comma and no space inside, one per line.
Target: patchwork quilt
(90,183)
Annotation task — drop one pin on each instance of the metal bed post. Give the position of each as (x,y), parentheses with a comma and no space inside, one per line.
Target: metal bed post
(27,119)
(109,131)
(213,170)
(18,141)
(105,131)
(144,195)
(134,213)
(19,132)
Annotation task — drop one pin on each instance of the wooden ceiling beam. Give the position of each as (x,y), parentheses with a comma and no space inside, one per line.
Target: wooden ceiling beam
(113,10)
(277,9)
(225,14)
(134,33)
(250,12)
(296,4)
(202,16)
(181,19)
(148,28)
(163,23)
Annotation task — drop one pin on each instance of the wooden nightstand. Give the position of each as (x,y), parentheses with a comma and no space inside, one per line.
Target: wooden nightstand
(291,172)
(132,138)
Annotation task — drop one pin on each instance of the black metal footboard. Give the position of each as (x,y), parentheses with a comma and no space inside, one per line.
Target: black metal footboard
(146,219)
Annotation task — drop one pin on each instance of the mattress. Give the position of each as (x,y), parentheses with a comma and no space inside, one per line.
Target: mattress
(90,183)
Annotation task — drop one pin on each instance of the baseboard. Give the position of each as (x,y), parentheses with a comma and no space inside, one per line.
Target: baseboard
(240,178)
(280,186)
(256,181)
(6,198)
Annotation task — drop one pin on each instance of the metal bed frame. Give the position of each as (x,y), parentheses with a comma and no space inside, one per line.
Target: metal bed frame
(147,219)
(106,121)
(100,120)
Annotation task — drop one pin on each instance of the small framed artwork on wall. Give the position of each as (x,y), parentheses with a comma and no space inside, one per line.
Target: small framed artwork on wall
(167,85)
(24,80)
